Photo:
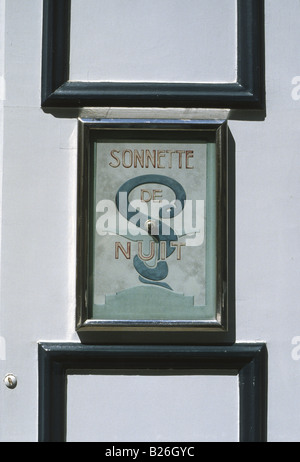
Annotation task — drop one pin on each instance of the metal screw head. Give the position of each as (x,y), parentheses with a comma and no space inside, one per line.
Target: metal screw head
(151,227)
(10,381)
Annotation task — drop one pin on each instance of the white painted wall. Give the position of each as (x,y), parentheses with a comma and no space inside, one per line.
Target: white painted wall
(39,211)
(153,408)
(157,40)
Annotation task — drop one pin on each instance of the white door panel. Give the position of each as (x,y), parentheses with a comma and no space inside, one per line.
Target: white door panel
(38,154)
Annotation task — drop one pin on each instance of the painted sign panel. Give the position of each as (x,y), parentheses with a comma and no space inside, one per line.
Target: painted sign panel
(151,232)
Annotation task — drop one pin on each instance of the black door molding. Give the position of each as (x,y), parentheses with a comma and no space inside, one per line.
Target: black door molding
(248,92)
(58,360)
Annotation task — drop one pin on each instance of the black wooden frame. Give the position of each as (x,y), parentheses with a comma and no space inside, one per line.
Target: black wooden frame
(248,92)
(218,332)
(57,360)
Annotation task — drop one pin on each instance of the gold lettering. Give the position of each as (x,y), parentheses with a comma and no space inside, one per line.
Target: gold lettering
(140,251)
(150,157)
(138,157)
(146,158)
(162,249)
(124,158)
(143,191)
(157,195)
(188,155)
(180,158)
(178,245)
(154,194)
(170,157)
(112,153)
(126,254)
(159,155)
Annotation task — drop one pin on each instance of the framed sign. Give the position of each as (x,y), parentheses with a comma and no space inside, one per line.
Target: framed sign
(246,92)
(152,240)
